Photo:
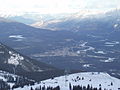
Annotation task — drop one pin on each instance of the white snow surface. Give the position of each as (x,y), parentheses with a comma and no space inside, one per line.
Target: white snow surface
(15,58)
(116,25)
(16,36)
(112,43)
(91,78)
(100,52)
(108,60)
(3,73)
(87,65)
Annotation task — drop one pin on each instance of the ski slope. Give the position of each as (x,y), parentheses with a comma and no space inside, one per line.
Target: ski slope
(96,79)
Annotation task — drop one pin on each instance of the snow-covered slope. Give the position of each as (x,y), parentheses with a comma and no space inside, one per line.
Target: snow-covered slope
(78,21)
(94,79)
(9,79)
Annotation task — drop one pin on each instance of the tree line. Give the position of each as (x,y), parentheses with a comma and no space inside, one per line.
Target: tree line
(75,87)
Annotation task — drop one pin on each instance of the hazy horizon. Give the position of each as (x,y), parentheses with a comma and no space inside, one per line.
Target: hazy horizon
(56,6)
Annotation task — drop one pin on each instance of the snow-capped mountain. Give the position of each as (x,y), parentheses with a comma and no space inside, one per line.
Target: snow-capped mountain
(99,80)
(84,21)
(33,18)
(61,18)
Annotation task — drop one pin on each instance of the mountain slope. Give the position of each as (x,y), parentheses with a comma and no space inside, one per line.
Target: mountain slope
(77,22)
(9,81)
(94,79)
(13,62)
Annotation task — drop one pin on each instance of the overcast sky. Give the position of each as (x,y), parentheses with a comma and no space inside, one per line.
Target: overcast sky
(56,6)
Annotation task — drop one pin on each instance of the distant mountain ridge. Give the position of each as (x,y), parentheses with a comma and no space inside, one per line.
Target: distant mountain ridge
(78,22)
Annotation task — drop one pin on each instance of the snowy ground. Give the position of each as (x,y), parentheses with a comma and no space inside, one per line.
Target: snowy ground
(91,78)
(2,77)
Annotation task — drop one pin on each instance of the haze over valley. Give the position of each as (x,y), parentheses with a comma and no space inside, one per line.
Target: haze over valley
(71,45)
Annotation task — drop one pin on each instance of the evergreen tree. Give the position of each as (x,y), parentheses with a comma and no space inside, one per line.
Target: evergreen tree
(40,87)
(31,88)
(111,84)
(70,87)
(100,88)
(88,87)
(82,78)
(43,88)
(84,88)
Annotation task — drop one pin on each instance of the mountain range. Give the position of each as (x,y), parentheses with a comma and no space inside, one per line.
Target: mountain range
(83,43)
(77,21)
